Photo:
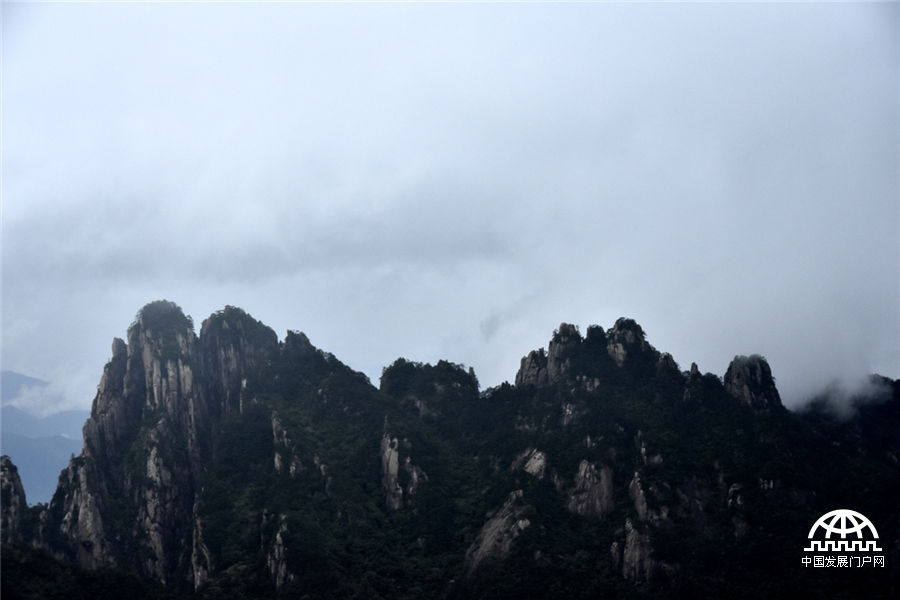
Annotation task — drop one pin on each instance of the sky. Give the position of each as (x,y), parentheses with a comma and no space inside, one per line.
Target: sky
(454,180)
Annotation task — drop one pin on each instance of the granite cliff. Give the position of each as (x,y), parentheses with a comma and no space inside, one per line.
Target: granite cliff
(230,462)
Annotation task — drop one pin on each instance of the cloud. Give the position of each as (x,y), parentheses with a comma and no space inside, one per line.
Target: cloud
(844,397)
(453,181)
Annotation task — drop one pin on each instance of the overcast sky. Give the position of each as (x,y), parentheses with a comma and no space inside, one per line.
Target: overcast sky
(454,180)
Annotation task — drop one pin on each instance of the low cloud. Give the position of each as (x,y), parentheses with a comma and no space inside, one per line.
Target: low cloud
(436,185)
(844,397)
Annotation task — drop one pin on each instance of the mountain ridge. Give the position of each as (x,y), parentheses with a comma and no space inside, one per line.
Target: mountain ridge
(235,459)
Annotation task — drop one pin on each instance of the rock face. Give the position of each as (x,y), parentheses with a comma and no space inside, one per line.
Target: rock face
(83,505)
(390,471)
(533,369)
(540,369)
(533,462)
(496,537)
(232,344)
(749,379)
(625,339)
(285,454)
(565,340)
(397,496)
(276,561)
(12,501)
(267,469)
(149,387)
(147,440)
(593,494)
(584,362)
(637,556)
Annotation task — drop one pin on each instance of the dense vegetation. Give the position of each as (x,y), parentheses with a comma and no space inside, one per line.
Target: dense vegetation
(731,492)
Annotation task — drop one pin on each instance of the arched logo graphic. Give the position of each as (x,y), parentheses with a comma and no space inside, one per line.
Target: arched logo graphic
(843,530)
(842,539)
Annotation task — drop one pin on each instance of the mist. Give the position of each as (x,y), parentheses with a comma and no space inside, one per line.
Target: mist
(453,181)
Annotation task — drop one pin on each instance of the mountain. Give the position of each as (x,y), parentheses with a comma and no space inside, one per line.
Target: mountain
(41,446)
(229,464)
(12,385)
(67,423)
(41,459)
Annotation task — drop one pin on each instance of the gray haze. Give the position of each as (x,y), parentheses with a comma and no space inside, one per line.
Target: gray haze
(454,180)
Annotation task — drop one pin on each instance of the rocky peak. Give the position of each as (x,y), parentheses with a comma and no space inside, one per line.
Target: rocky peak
(749,379)
(232,344)
(566,335)
(624,339)
(540,369)
(533,369)
(298,341)
(565,342)
(149,495)
(111,417)
(161,349)
(12,501)
(580,360)
(148,439)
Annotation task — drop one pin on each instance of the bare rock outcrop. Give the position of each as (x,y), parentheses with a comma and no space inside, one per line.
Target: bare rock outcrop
(540,369)
(532,461)
(565,340)
(495,539)
(638,564)
(390,470)
(593,494)
(749,380)
(395,495)
(83,507)
(533,369)
(285,454)
(232,344)
(276,558)
(12,501)
(202,563)
(625,339)
(147,442)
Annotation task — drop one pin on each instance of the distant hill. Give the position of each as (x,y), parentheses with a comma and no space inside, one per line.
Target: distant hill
(66,423)
(12,384)
(40,461)
(40,446)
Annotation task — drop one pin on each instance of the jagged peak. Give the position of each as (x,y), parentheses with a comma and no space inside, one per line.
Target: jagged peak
(297,339)
(237,323)
(14,506)
(533,369)
(233,344)
(566,334)
(627,338)
(624,325)
(749,379)
(542,368)
(119,348)
(163,498)
(162,316)
(595,333)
